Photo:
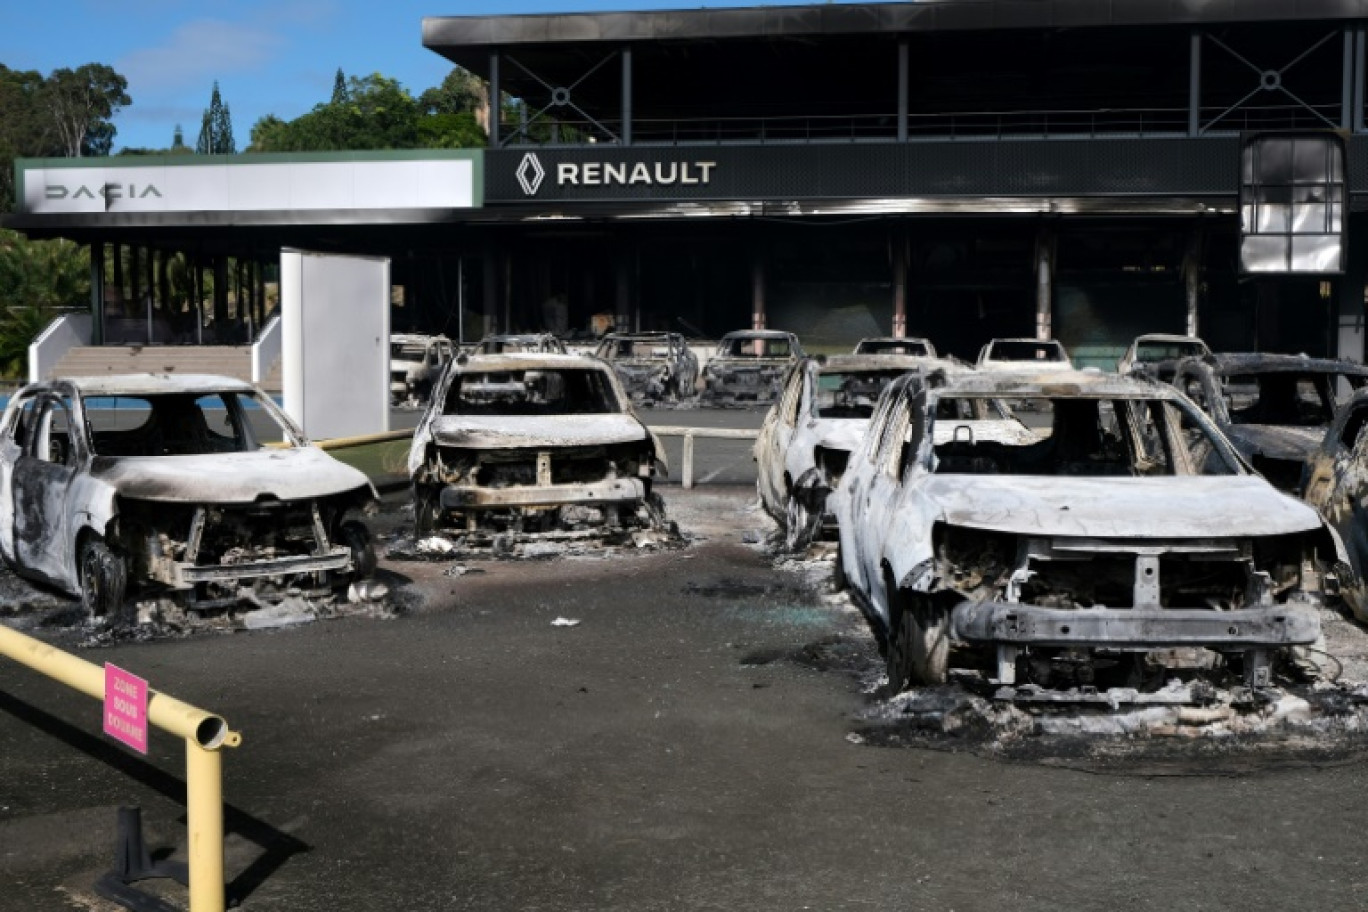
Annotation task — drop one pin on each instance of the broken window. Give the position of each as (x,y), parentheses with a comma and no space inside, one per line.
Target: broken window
(571,391)
(180,424)
(851,394)
(1025,350)
(1121,437)
(1297,399)
(47,421)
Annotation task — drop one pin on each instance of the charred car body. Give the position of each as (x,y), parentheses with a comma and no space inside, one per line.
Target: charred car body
(748,365)
(1157,354)
(532,444)
(416,361)
(1124,544)
(191,486)
(1337,486)
(1274,408)
(894,345)
(807,437)
(652,366)
(517,343)
(1023,354)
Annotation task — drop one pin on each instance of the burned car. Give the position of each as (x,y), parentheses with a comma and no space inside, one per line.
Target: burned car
(1337,486)
(808,435)
(652,366)
(748,365)
(1157,354)
(1274,408)
(895,345)
(1016,354)
(194,487)
(529,444)
(1124,544)
(514,343)
(416,361)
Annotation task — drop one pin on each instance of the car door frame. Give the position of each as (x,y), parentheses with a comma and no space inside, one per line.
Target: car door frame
(43,521)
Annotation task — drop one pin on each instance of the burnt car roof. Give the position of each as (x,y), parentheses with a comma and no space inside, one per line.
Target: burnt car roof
(526,361)
(115,384)
(1262,362)
(839,363)
(759,334)
(1055,382)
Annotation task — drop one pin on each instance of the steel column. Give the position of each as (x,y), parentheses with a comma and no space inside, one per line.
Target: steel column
(1358,79)
(625,132)
(758,291)
(1194,83)
(1192,277)
(899,286)
(495,102)
(97,289)
(1044,269)
(904,90)
(1347,82)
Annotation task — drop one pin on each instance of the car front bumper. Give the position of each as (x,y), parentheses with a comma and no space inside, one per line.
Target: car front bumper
(1003,623)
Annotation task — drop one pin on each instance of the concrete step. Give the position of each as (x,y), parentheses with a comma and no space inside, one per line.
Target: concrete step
(95,360)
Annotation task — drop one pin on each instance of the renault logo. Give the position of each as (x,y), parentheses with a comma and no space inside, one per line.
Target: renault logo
(530,174)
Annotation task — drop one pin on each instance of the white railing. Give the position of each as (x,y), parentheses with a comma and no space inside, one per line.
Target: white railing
(266,349)
(689,433)
(61,336)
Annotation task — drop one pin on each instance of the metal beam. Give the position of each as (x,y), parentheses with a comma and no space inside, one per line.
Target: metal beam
(97,297)
(495,101)
(625,132)
(1194,83)
(904,90)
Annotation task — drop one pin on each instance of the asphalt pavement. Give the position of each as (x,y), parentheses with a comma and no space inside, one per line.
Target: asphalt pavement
(692,743)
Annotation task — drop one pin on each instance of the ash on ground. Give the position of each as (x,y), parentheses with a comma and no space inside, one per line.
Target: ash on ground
(29,607)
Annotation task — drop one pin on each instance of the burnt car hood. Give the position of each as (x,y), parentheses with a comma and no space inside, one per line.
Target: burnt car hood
(1275,441)
(1163,508)
(229,478)
(497,432)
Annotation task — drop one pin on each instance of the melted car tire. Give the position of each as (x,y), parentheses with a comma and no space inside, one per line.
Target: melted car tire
(357,537)
(801,525)
(104,581)
(931,641)
(898,658)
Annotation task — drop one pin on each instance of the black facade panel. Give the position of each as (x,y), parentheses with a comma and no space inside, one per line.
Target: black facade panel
(1061,168)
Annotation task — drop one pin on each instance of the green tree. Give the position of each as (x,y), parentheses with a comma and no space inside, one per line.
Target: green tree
(379,113)
(340,94)
(461,92)
(80,103)
(216,127)
(38,281)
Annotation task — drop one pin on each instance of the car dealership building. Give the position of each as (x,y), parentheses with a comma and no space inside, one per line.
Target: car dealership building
(960,169)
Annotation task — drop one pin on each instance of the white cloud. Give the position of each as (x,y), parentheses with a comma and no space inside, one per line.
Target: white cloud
(196,51)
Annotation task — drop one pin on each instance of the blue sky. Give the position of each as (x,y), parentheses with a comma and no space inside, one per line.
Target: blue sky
(269,56)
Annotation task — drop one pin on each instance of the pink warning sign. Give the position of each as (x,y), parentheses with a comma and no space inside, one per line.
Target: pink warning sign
(125,708)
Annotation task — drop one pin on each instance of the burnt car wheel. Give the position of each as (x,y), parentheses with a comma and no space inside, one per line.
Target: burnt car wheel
(357,537)
(901,636)
(800,523)
(425,511)
(104,581)
(931,641)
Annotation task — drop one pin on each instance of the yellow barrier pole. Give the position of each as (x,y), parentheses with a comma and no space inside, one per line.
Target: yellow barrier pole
(204,827)
(204,734)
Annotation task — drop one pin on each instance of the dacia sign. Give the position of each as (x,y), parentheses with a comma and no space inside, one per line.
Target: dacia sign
(107,192)
(394,184)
